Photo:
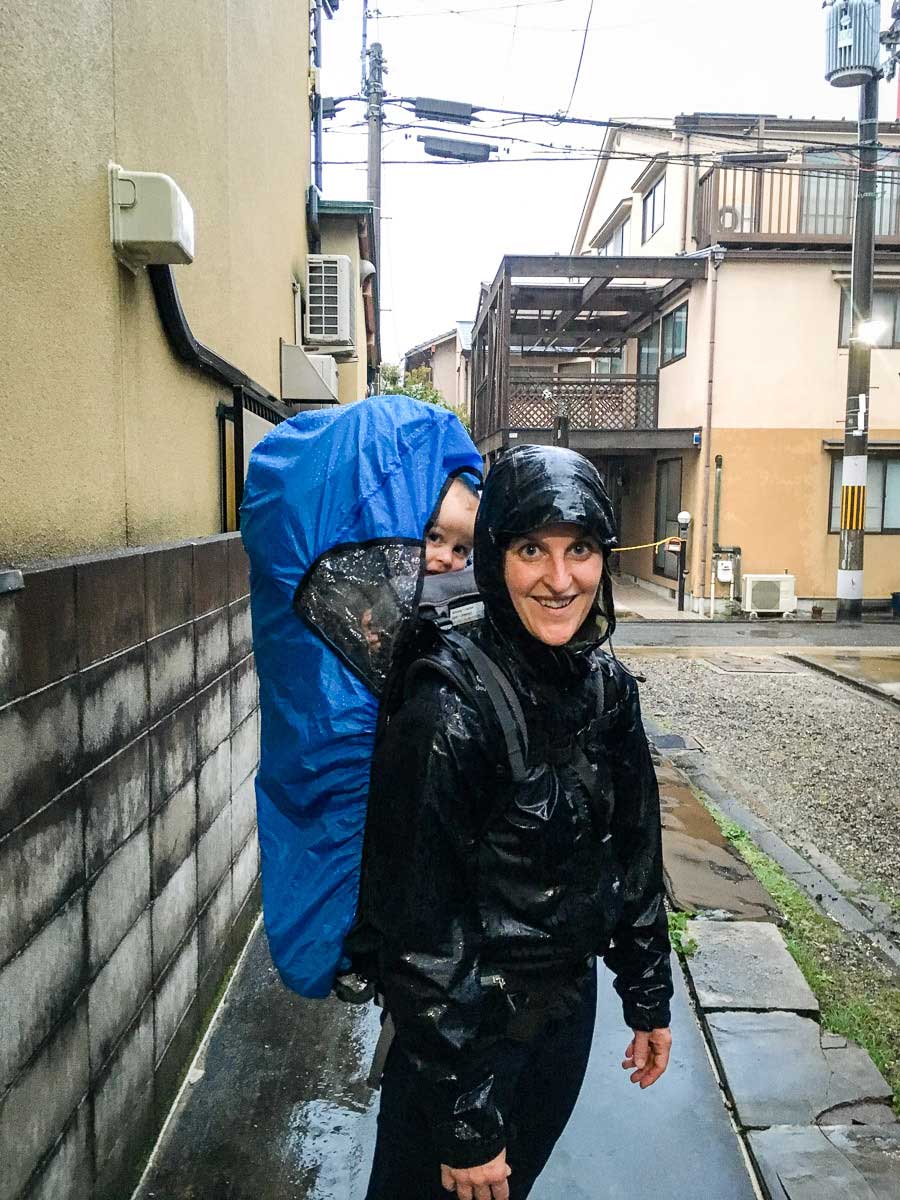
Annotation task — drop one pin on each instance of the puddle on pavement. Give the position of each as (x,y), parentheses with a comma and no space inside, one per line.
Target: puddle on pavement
(703,871)
(330,1139)
(879,670)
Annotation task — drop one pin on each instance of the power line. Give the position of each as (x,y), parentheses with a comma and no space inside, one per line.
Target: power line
(587,29)
(463,12)
(512,47)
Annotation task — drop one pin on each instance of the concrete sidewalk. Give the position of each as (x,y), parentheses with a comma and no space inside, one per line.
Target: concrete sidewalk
(634,602)
(281,1110)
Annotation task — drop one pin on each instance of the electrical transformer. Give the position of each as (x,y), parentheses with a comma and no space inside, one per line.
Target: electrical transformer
(854,45)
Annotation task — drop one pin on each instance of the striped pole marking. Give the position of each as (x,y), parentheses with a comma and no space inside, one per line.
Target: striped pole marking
(853,506)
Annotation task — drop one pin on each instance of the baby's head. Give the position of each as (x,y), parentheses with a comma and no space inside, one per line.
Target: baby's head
(449,538)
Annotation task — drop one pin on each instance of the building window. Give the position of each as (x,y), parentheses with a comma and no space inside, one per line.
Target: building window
(674,335)
(885,310)
(610,364)
(648,350)
(654,208)
(828,194)
(882,496)
(619,241)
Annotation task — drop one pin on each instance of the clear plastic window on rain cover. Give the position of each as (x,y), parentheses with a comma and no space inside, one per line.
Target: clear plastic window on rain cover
(358,600)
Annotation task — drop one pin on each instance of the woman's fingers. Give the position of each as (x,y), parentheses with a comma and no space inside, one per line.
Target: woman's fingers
(487,1182)
(647,1056)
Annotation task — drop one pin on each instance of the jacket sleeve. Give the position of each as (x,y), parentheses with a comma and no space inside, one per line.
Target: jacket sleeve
(640,953)
(427,804)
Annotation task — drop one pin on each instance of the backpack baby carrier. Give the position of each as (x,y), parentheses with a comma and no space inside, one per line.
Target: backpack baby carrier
(335,507)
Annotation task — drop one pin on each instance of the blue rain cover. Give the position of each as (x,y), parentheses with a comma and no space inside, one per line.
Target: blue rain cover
(335,507)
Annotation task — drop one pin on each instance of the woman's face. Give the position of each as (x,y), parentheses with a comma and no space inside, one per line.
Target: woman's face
(553,576)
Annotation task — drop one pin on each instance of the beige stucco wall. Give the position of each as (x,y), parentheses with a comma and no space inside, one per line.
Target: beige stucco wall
(620,176)
(778,364)
(446,369)
(107,440)
(341,236)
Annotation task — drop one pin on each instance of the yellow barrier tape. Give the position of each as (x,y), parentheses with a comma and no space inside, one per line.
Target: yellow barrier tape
(647,545)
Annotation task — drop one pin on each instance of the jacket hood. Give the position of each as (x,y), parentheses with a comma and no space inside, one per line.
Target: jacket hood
(529,488)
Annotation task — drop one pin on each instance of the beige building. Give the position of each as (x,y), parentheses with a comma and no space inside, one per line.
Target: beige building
(117,400)
(446,358)
(706,349)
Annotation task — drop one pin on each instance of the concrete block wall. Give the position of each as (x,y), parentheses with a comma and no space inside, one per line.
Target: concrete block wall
(129,862)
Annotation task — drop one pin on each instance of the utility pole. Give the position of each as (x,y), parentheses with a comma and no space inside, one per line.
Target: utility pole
(375,117)
(852,57)
(856,424)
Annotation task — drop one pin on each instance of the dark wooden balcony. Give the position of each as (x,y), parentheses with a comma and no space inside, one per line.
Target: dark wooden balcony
(790,206)
(544,313)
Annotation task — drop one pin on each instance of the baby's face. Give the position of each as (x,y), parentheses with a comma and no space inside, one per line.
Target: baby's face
(448,543)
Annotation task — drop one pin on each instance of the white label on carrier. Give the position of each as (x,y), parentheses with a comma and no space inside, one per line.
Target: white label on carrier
(466,613)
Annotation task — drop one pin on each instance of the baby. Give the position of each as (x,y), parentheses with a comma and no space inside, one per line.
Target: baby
(448,540)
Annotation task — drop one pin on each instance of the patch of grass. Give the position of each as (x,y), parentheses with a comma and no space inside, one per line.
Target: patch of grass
(857,998)
(681,944)
(891,899)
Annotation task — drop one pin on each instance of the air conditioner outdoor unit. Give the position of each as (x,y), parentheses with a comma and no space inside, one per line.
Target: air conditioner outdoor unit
(735,220)
(769,594)
(330,296)
(327,367)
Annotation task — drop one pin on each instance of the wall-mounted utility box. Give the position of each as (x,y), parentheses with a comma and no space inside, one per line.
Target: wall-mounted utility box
(151,221)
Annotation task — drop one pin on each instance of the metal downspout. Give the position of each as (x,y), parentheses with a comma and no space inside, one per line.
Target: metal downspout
(717,508)
(687,192)
(716,258)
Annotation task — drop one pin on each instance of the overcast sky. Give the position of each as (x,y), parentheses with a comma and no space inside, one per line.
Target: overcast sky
(446,227)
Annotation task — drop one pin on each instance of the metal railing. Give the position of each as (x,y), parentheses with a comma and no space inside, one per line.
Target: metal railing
(594,402)
(798,205)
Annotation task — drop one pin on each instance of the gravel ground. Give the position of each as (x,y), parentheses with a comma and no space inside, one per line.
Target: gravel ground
(820,760)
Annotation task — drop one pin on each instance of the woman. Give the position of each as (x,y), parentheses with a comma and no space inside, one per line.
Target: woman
(492,895)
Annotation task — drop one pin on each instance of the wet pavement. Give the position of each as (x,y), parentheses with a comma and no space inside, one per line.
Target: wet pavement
(764,636)
(281,1110)
(876,673)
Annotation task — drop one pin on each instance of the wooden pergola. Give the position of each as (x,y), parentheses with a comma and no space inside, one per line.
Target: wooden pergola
(544,308)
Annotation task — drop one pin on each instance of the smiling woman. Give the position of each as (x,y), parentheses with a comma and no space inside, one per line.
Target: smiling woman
(553,577)
(494,881)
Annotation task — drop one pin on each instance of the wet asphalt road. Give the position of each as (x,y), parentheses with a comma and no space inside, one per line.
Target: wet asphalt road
(761,635)
(282,1112)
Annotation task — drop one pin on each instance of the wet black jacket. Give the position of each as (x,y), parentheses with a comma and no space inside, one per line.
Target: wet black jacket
(470,877)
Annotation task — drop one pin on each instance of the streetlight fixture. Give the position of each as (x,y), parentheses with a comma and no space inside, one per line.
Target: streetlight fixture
(869,332)
(469,152)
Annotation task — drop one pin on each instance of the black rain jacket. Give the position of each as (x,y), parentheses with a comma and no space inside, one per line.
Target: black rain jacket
(469,878)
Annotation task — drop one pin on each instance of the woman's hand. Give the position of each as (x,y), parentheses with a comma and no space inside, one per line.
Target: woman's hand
(478,1183)
(648,1055)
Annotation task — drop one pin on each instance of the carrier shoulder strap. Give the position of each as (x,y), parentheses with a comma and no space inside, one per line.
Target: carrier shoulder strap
(504,702)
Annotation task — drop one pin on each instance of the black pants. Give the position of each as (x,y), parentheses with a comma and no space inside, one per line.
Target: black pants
(537,1084)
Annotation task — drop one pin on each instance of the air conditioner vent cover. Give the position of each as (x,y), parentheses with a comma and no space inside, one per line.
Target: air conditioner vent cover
(329,300)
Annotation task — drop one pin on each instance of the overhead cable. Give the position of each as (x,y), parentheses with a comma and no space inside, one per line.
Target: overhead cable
(587,30)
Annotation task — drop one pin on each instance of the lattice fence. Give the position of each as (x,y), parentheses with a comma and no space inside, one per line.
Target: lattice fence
(614,402)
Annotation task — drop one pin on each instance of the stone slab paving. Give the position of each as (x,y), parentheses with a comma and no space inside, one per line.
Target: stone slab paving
(781,1069)
(746,965)
(842,1162)
(674,1141)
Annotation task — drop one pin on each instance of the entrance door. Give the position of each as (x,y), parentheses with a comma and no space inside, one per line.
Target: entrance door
(613,477)
(668,506)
